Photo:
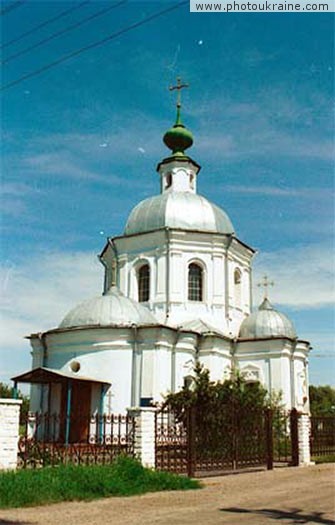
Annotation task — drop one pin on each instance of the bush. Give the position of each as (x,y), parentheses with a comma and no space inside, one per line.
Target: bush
(125,477)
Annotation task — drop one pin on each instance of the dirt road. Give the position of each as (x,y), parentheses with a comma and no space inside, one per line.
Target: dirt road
(285,496)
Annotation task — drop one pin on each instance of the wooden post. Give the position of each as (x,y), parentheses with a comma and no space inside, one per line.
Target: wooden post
(102,430)
(68,412)
(294,437)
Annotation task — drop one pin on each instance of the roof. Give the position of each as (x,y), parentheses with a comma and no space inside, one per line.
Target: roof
(201,327)
(267,323)
(112,308)
(178,209)
(44,375)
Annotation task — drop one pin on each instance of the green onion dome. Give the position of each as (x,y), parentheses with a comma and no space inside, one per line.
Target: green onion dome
(178,138)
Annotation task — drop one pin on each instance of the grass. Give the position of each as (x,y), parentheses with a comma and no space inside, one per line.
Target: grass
(125,477)
(324,459)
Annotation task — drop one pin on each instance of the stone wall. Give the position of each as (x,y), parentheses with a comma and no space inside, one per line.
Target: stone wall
(9,432)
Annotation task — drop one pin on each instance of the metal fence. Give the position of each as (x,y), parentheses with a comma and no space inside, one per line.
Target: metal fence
(50,439)
(285,437)
(200,444)
(322,435)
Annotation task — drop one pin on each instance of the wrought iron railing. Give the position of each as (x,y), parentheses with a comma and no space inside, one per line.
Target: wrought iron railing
(322,435)
(51,439)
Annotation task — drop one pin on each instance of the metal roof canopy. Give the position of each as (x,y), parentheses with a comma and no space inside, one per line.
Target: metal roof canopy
(43,375)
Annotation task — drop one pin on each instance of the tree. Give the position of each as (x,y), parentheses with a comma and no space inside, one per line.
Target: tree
(225,416)
(208,395)
(322,400)
(7,392)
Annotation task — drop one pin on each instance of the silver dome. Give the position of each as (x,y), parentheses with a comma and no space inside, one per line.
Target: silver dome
(184,210)
(266,322)
(112,308)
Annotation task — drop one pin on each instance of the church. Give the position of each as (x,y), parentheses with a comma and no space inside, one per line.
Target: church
(177,290)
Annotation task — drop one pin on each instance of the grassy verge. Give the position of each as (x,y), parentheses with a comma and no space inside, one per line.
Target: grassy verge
(324,459)
(125,477)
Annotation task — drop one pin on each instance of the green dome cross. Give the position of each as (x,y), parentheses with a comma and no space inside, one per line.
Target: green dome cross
(178,138)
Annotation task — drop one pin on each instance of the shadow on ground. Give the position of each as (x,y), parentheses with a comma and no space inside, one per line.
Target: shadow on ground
(15,522)
(292,516)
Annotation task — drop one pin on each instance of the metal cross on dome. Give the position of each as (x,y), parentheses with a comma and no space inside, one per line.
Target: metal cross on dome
(178,87)
(265,283)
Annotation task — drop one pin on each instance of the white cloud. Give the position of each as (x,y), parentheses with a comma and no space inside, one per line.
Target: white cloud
(276,191)
(270,123)
(303,275)
(37,295)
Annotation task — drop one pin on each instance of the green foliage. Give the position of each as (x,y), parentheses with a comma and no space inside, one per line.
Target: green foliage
(322,400)
(7,392)
(227,417)
(330,458)
(210,396)
(125,477)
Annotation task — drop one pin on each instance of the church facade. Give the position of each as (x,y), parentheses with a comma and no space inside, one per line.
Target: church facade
(177,290)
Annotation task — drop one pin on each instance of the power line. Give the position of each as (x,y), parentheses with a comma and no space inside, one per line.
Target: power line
(93,45)
(66,30)
(11,7)
(46,22)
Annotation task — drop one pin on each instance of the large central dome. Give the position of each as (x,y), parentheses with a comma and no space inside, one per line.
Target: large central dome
(182,210)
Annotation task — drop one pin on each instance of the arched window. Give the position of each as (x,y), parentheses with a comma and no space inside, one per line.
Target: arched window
(168,180)
(195,284)
(237,285)
(143,283)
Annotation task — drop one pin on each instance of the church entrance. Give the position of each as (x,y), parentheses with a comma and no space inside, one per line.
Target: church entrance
(75,415)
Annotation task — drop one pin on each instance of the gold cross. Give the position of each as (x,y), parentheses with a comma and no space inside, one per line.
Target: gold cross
(178,87)
(265,284)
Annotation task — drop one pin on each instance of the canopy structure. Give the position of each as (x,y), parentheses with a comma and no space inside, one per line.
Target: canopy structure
(44,375)
(72,386)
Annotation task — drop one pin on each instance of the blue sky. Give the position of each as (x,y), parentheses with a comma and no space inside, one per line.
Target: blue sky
(81,142)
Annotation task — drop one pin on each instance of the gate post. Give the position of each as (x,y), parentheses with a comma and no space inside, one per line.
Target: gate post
(269,438)
(294,437)
(304,430)
(144,438)
(191,453)
(9,432)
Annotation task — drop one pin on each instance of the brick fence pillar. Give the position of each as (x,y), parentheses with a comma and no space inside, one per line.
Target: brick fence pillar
(144,441)
(304,429)
(9,432)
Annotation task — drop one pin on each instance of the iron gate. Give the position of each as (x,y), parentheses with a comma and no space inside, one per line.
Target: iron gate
(199,444)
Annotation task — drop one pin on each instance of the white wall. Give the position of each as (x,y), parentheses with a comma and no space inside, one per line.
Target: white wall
(168,254)
(9,432)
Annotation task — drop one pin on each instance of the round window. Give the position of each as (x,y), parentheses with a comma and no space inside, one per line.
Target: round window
(75,366)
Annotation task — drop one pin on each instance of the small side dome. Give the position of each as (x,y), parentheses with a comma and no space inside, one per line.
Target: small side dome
(265,323)
(112,308)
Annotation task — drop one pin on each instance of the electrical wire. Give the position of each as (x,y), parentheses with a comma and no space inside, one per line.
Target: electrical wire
(66,30)
(45,23)
(11,7)
(93,45)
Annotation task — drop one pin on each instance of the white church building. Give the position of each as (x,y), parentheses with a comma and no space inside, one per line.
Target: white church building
(177,290)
